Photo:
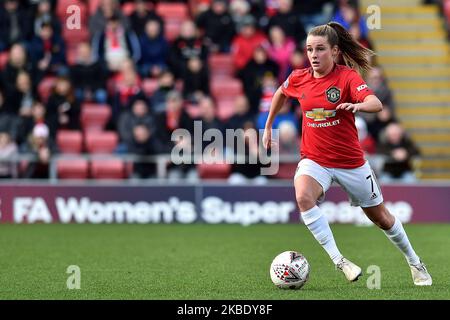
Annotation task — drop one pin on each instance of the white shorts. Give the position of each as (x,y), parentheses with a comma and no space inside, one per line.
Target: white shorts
(360,184)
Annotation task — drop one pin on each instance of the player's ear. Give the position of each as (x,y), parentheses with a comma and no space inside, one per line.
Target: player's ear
(335,52)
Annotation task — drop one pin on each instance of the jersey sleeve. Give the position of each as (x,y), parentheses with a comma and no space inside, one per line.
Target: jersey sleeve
(358,88)
(289,86)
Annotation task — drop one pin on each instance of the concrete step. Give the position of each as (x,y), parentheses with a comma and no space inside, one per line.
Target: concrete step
(418,97)
(425,123)
(421,86)
(423,112)
(435,150)
(388,3)
(430,137)
(419,21)
(415,72)
(434,175)
(410,27)
(409,10)
(436,163)
(414,61)
(407,36)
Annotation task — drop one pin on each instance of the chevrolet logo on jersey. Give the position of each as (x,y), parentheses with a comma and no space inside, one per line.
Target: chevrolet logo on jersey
(320,114)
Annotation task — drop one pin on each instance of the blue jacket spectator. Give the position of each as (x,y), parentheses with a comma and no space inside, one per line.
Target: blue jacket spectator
(155,49)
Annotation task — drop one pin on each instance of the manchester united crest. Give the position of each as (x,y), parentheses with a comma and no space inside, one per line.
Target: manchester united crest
(333,94)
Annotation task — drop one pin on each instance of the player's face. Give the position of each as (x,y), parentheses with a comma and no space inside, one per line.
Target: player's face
(320,54)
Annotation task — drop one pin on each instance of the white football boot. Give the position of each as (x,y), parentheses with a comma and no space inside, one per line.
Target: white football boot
(352,271)
(420,275)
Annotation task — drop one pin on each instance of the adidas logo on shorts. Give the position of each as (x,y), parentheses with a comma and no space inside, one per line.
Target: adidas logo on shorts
(374,195)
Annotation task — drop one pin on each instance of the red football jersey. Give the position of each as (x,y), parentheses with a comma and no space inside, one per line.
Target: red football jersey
(329,136)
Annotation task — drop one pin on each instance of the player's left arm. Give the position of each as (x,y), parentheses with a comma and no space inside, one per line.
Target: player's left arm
(370,104)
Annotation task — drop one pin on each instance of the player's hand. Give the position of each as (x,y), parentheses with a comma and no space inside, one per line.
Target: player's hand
(267,138)
(349,107)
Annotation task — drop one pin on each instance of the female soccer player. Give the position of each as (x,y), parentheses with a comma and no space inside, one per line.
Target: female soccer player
(329,95)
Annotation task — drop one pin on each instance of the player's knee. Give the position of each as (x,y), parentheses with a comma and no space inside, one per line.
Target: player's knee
(385,220)
(305,201)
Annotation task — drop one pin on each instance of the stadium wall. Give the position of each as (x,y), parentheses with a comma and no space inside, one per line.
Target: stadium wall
(203,203)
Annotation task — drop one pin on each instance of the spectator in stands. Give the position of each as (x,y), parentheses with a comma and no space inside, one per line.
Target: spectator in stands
(399,150)
(314,13)
(288,138)
(47,52)
(9,121)
(40,145)
(28,122)
(208,117)
(241,114)
(381,121)
(280,50)
(15,24)
(44,15)
(155,49)
(289,21)
(139,114)
(239,10)
(297,60)
(17,62)
(245,43)
(144,143)
(8,149)
(166,83)
(368,144)
(257,68)
(355,31)
(176,117)
(141,15)
(115,44)
(105,11)
(128,88)
(188,45)
(217,26)
(88,76)
(347,14)
(250,170)
(63,109)
(195,79)
(377,81)
(24,94)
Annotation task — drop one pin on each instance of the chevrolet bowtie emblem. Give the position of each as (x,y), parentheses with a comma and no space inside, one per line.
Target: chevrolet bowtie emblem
(320,114)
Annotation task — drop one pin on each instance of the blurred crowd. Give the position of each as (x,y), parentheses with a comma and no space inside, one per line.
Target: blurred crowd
(156,76)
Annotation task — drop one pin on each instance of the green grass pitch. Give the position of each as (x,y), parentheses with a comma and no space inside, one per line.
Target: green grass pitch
(208,262)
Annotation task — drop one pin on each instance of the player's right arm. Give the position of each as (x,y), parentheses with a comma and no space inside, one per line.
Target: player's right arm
(278,100)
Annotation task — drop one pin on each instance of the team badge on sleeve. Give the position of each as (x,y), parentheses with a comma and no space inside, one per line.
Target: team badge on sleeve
(286,83)
(362,87)
(333,94)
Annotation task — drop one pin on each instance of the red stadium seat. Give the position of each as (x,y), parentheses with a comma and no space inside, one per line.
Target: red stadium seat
(94,117)
(172,11)
(72,169)
(3,59)
(221,65)
(45,87)
(101,142)
(226,90)
(108,169)
(93,5)
(62,14)
(225,109)
(172,29)
(286,171)
(75,36)
(214,171)
(149,86)
(69,141)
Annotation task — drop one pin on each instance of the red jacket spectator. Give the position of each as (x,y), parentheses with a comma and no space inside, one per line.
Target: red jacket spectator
(246,42)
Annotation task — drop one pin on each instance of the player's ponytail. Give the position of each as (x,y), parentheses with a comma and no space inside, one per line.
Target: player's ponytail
(353,54)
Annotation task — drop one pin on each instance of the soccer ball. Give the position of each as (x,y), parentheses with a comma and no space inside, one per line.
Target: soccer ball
(289,270)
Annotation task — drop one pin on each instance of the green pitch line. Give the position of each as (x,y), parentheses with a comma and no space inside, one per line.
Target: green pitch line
(208,262)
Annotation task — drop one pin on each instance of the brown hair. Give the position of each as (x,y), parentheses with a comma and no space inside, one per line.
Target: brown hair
(353,54)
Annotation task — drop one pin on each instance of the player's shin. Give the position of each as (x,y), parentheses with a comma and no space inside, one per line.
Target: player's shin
(398,237)
(317,223)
